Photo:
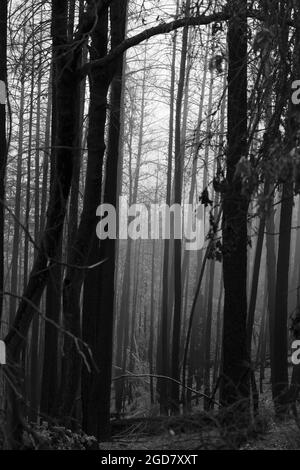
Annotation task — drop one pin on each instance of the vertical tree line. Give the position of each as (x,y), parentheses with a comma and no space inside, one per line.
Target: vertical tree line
(201,114)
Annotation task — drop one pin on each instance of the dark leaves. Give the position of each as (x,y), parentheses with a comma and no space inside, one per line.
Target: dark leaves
(204,198)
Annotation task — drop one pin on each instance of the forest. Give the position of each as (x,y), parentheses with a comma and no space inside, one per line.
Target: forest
(149,225)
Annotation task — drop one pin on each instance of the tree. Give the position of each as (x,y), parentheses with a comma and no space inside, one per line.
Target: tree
(163,340)
(178,168)
(280,375)
(3,142)
(72,345)
(235,367)
(96,390)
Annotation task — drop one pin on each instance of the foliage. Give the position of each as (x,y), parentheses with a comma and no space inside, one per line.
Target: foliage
(58,438)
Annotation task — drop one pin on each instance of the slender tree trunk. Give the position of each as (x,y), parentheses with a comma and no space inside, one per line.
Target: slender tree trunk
(124,321)
(3,142)
(280,371)
(255,276)
(134,200)
(163,352)
(16,237)
(186,259)
(218,336)
(151,332)
(262,343)
(208,328)
(45,165)
(281,296)
(34,376)
(179,156)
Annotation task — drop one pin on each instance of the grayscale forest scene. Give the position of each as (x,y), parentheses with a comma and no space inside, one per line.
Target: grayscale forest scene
(149,225)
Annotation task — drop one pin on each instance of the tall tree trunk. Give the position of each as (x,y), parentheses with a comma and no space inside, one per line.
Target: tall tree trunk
(17,213)
(79,250)
(151,332)
(50,380)
(210,271)
(134,200)
(49,386)
(280,376)
(218,336)
(66,96)
(33,361)
(124,320)
(280,372)
(255,276)
(178,171)
(46,159)
(99,328)
(163,363)
(235,368)
(186,259)
(3,142)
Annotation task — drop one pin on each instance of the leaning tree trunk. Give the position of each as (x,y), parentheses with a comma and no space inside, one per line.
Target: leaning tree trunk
(67,91)
(66,97)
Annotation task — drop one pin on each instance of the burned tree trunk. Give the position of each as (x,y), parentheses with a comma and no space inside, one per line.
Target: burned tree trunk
(98,308)
(235,368)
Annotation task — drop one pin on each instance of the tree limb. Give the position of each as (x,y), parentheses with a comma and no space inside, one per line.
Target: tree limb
(148,33)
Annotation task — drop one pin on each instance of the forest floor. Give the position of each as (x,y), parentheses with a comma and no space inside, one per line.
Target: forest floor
(201,431)
(143,429)
(280,436)
(277,436)
(194,432)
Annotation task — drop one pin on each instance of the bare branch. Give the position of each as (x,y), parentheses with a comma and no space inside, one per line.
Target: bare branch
(154,31)
(155,376)
(60,328)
